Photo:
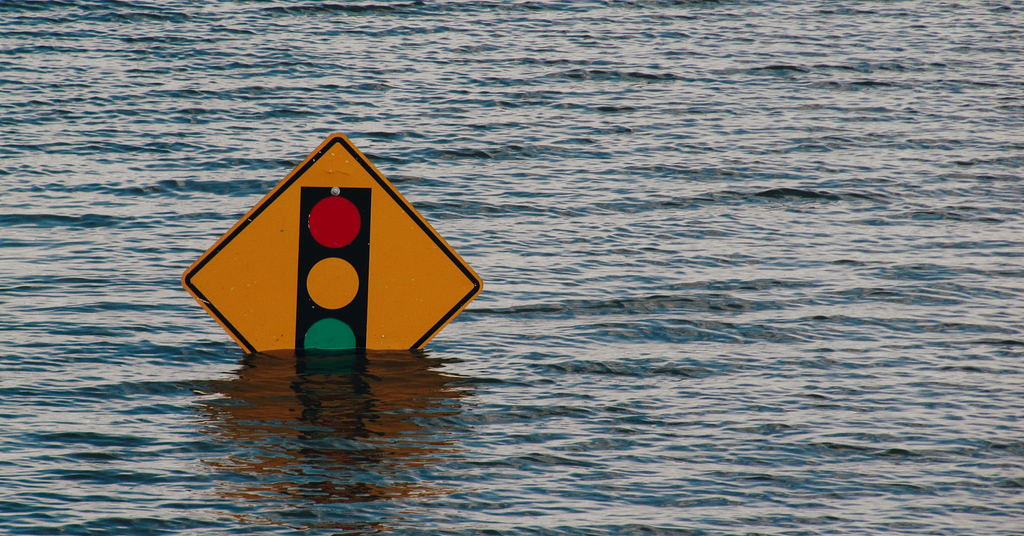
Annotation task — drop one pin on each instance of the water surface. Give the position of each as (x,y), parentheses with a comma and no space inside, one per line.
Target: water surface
(751,267)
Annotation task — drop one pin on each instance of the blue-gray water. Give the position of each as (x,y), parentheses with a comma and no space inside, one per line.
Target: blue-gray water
(751,267)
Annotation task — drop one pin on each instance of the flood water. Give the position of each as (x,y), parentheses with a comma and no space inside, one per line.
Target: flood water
(750,267)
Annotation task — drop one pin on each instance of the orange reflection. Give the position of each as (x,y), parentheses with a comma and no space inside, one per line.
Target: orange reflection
(333,429)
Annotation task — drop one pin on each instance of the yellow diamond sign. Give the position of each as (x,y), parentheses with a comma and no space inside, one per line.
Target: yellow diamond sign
(332,259)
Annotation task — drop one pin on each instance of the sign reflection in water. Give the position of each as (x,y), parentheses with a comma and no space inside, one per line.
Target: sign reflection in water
(333,429)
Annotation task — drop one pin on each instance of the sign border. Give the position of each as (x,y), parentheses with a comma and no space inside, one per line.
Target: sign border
(332,140)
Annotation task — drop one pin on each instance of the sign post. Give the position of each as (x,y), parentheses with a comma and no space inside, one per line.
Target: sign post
(332,259)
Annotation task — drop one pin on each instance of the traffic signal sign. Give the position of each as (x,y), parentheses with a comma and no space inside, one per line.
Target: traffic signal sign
(334,259)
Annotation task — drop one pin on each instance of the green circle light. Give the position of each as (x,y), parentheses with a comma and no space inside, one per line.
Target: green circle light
(329,334)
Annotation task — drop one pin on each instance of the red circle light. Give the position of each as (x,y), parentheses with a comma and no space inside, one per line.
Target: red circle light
(334,222)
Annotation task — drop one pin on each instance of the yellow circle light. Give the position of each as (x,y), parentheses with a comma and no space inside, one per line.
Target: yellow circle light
(332,283)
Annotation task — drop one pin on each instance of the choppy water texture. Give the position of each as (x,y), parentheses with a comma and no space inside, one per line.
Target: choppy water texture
(751,267)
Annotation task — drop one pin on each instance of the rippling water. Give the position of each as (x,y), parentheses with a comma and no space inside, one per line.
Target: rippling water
(751,267)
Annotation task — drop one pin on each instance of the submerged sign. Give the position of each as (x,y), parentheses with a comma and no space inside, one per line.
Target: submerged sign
(332,259)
